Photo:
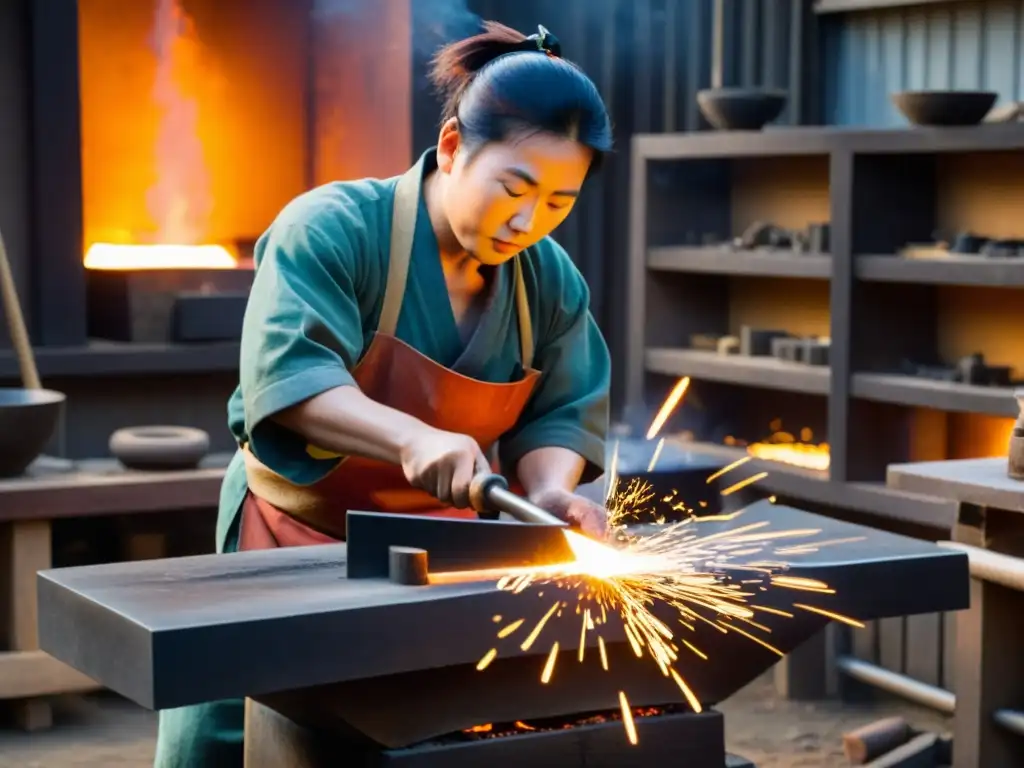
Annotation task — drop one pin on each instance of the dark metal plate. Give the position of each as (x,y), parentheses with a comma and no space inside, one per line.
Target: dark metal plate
(452,545)
(171,632)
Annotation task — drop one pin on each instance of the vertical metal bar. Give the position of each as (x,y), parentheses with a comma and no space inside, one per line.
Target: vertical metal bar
(696,62)
(670,90)
(796,61)
(772,42)
(841,179)
(58,258)
(749,12)
(717,43)
(636,335)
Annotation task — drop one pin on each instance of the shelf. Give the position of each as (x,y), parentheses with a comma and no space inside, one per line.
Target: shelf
(846,6)
(94,487)
(980,482)
(954,270)
(814,487)
(786,141)
(764,372)
(719,260)
(941,395)
(124,359)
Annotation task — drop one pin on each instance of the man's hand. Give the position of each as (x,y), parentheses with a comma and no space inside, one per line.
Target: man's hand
(442,464)
(589,516)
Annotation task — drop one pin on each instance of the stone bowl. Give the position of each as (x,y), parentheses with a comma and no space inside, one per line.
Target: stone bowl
(28,418)
(741,109)
(944,108)
(159,448)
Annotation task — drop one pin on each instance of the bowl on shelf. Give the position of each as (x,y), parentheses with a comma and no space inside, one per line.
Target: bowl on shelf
(159,448)
(28,418)
(944,108)
(741,109)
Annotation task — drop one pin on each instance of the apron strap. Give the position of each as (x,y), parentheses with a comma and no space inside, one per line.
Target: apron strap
(525,323)
(403,231)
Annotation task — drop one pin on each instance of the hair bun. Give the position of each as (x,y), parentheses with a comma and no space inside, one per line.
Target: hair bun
(454,66)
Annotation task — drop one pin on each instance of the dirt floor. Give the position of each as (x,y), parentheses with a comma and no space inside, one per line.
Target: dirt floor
(104,731)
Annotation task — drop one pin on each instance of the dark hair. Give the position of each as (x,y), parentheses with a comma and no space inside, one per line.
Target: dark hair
(500,83)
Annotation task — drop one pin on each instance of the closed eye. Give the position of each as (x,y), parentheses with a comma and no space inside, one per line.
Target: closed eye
(512,193)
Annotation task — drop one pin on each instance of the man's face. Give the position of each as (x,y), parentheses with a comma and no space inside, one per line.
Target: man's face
(504,197)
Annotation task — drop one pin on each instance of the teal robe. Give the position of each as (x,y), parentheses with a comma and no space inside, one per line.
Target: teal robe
(314,306)
(313,309)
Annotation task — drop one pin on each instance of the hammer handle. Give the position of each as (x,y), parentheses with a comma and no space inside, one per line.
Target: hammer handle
(489,491)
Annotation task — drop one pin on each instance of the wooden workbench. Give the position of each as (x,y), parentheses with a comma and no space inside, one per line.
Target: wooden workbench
(50,490)
(988,666)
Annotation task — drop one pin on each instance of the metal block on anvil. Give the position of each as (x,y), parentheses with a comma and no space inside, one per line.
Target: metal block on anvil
(396,665)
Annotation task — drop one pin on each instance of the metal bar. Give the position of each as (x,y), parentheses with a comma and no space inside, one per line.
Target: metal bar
(718,44)
(913,690)
(993,567)
(1011,720)
(519,508)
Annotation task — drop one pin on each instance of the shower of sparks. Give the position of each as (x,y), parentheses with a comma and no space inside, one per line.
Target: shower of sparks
(671,579)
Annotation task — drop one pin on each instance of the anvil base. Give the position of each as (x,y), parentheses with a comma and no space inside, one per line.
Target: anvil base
(665,741)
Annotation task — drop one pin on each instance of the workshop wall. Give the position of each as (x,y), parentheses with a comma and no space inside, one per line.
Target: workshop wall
(973,44)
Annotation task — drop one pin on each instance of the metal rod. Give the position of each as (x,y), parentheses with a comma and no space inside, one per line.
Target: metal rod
(926,695)
(1011,720)
(913,690)
(490,492)
(519,508)
(717,43)
(990,566)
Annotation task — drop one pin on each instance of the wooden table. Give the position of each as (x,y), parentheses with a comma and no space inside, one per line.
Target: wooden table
(988,666)
(54,489)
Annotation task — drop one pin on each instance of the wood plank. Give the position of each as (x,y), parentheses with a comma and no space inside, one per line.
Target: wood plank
(718,260)
(24,552)
(951,270)
(940,395)
(890,644)
(104,487)
(989,675)
(762,372)
(982,482)
(28,674)
(949,651)
(923,641)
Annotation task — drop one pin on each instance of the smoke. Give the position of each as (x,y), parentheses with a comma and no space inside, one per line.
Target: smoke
(434,23)
(180,202)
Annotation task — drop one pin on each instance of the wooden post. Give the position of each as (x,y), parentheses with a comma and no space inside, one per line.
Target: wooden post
(24,550)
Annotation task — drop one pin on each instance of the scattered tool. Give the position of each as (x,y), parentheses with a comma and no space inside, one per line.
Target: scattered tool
(490,492)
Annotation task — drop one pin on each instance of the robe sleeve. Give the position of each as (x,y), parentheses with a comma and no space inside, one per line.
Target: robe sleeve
(302,335)
(570,407)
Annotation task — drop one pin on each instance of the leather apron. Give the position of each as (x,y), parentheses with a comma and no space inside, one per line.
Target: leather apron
(278,513)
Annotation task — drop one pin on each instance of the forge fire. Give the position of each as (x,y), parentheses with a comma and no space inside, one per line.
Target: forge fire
(156,133)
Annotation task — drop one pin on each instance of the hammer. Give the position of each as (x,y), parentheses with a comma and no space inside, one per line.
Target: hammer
(490,492)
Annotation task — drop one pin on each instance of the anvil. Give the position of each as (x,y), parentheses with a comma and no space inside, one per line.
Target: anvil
(322,636)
